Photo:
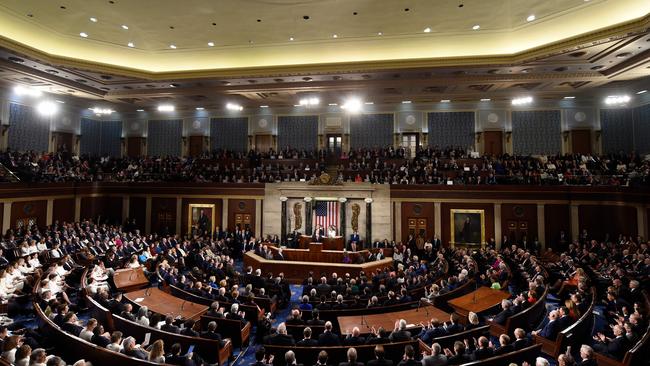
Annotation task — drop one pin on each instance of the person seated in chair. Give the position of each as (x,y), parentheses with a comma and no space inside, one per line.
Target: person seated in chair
(169,325)
(352,358)
(211,333)
(295,318)
(505,313)
(551,329)
(280,338)
(354,338)
(612,347)
(328,338)
(307,341)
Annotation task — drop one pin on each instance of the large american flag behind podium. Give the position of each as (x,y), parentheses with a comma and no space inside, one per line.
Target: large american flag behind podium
(326,213)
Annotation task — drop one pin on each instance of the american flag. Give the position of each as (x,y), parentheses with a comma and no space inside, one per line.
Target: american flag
(326,213)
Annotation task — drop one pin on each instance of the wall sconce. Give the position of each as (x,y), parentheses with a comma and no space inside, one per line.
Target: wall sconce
(478,137)
(565,136)
(508,136)
(5,128)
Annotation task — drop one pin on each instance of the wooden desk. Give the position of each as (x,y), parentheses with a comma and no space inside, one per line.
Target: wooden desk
(335,243)
(163,303)
(130,279)
(413,318)
(478,301)
(297,271)
(317,253)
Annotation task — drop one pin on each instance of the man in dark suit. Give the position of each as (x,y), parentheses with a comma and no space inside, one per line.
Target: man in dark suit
(315,318)
(281,338)
(483,351)
(400,333)
(614,348)
(169,325)
(551,329)
(587,356)
(235,314)
(70,324)
(295,318)
(409,357)
(380,359)
(318,234)
(354,339)
(130,349)
(352,359)
(504,345)
(328,338)
(307,341)
(211,333)
(355,240)
(521,340)
(505,313)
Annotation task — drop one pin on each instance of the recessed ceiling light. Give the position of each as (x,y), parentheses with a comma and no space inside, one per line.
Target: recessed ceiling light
(296,105)
(531,18)
(445,101)
(210,44)
(352,105)
(522,100)
(199,108)
(485,99)
(427,30)
(125,27)
(234,107)
(642,92)
(139,110)
(476,27)
(166,108)
(380,33)
(130,44)
(369,103)
(172,46)
(570,97)
(93,19)
(84,34)
(335,36)
(60,101)
(332,104)
(264,106)
(172,85)
(617,99)
(291,38)
(406,102)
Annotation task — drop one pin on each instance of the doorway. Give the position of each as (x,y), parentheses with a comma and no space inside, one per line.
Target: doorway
(263,143)
(493,143)
(410,143)
(334,144)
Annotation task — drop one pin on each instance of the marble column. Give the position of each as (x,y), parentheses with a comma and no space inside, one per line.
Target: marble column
(397,235)
(308,229)
(368,220)
(49,215)
(497,225)
(258,218)
(575,221)
(437,220)
(541,232)
(641,221)
(147,217)
(224,214)
(6,217)
(283,220)
(342,227)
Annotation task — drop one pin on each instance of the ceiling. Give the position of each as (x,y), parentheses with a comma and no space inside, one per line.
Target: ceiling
(606,60)
(256,33)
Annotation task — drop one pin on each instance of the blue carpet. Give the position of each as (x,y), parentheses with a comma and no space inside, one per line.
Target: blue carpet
(249,356)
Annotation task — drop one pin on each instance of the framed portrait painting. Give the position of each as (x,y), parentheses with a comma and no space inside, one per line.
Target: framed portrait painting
(201,218)
(467,227)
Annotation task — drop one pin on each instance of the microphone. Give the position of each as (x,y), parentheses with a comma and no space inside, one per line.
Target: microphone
(183,305)
(131,275)
(475,290)
(147,292)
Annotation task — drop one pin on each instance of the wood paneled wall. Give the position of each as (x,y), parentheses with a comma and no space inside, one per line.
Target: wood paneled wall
(557,218)
(163,215)
(244,207)
(416,211)
(518,220)
(104,207)
(26,209)
(63,210)
(600,220)
(138,211)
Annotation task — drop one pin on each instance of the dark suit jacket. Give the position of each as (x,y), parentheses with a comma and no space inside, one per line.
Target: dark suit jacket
(280,340)
(329,339)
(400,335)
(307,343)
(380,362)
(551,330)
(171,328)
(521,343)
(502,317)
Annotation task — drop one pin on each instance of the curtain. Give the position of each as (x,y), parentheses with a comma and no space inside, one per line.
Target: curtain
(371,130)
(617,127)
(536,132)
(164,137)
(28,130)
(229,133)
(101,138)
(451,129)
(298,132)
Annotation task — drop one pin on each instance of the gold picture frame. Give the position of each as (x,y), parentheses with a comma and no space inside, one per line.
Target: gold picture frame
(463,227)
(194,212)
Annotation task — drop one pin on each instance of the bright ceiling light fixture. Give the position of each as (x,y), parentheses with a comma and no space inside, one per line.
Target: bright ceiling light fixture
(130,44)
(47,108)
(101,111)
(445,101)
(641,92)
(93,19)
(617,99)
(125,27)
(234,107)
(308,102)
(485,99)
(83,34)
(166,108)
(427,30)
(570,97)
(199,108)
(332,104)
(352,105)
(476,27)
(380,33)
(31,92)
(210,44)
(335,36)
(522,101)
(139,110)
(264,106)
(291,38)
(369,103)
(406,102)
(531,18)
(172,46)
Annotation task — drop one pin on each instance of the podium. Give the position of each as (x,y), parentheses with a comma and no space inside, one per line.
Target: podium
(335,243)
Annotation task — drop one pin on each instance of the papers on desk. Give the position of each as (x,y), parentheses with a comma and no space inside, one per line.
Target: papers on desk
(410,325)
(139,299)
